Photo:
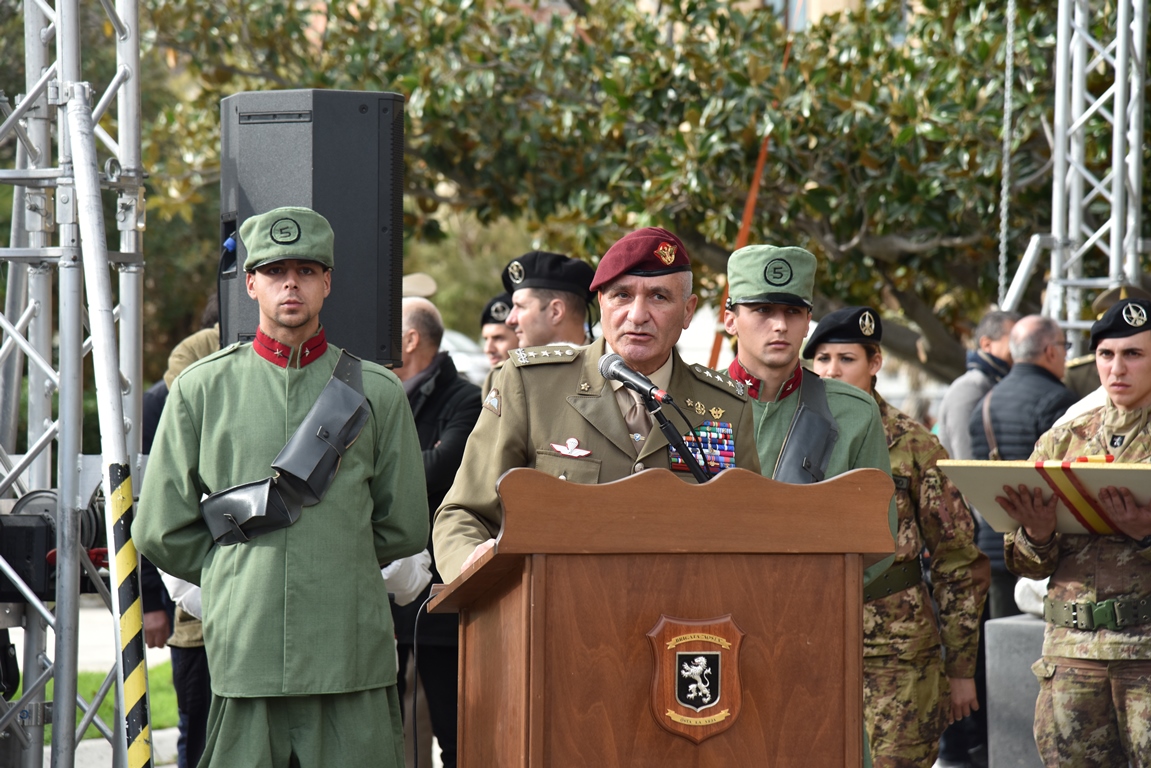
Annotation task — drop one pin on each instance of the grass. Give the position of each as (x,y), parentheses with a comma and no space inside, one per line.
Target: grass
(161,694)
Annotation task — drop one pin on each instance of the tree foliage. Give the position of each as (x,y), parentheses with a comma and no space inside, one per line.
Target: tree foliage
(885,129)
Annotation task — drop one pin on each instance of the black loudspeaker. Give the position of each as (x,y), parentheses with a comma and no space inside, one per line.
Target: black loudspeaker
(340,153)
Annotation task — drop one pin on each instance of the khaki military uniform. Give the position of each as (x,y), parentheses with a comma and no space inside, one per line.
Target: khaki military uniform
(551,410)
(1081,375)
(906,692)
(1094,705)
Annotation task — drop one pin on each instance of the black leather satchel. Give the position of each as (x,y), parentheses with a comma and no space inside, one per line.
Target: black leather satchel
(305,468)
(811,437)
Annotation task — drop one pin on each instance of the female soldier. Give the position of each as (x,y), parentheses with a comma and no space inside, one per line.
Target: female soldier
(910,690)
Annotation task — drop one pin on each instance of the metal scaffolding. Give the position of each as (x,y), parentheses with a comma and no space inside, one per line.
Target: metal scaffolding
(1096,217)
(57,246)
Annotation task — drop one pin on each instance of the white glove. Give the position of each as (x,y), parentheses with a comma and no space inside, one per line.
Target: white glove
(407,577)
(1029,596)
(185,594)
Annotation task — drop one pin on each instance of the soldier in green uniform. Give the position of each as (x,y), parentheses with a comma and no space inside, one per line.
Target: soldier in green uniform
(296,619)
(918,670)
(769,312)
(552,410)
(1094,705)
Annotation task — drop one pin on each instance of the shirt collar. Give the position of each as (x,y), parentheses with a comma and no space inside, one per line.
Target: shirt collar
(282,355)
(661,378)
(739,373)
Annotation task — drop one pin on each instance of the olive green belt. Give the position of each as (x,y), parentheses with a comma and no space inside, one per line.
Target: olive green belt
(897,578)
(1106,614)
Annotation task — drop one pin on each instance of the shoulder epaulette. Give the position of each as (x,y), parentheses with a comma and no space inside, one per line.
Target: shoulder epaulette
(720,381)
(1081,360)
(558,353)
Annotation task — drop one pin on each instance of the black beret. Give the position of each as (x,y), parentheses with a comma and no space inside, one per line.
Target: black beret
(497,310)
(850,325)
(550,271)
(1124,319)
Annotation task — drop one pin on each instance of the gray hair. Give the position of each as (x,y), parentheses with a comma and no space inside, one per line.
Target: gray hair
(995,325)
(1031,336)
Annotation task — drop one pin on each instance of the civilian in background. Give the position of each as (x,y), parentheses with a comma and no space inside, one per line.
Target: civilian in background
(987,364)
(445,407)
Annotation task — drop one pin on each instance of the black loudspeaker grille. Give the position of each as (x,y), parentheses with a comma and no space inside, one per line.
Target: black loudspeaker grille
(341,154)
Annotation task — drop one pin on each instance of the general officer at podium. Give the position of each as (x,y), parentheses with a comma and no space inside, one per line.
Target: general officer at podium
(550,409)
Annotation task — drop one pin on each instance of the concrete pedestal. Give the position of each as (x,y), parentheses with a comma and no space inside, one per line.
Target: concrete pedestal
(1013,645)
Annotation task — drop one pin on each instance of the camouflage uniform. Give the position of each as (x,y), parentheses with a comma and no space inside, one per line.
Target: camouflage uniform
(1094,706)
(907,698)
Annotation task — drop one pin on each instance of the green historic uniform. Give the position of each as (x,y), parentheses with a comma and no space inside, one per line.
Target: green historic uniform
(861,444)
(297,626)
(906,691)
(1094,705)
(551,410)
(302,610)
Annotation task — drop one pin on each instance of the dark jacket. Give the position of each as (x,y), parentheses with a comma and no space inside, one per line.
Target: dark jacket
(1023,406)
(445,407)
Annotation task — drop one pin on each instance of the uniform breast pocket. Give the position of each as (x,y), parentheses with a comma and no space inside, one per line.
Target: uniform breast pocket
(584,471)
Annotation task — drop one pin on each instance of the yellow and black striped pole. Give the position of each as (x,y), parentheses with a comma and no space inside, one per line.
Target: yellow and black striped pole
(126,583)
(132,677)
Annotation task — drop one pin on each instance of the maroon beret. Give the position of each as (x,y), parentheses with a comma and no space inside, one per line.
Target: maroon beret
(645,252)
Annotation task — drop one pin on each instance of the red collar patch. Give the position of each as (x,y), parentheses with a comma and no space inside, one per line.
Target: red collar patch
(739,373)
(282,355)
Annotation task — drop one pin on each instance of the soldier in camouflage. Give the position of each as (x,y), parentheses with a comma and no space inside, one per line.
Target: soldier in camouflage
(1094,705)
(911,690)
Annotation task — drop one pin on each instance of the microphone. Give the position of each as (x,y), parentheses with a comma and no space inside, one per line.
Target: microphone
(612,366)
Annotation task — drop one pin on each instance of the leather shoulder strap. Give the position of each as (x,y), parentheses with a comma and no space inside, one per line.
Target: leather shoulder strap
(813,433)
(988,430)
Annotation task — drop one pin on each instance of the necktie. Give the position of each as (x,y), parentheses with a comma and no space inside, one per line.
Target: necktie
(637,418)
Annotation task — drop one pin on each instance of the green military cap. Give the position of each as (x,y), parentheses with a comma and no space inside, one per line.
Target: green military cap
(287,233)
(765,274)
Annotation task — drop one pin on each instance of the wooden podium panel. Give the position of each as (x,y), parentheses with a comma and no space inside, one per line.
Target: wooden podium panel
(556,666)
(792,661)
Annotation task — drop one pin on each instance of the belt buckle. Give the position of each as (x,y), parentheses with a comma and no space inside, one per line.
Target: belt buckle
(1103,615)
(1083,616)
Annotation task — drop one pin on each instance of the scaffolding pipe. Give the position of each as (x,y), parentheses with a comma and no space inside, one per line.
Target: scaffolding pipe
(1135,118)
(131,688)
(15,303)
(1119,177)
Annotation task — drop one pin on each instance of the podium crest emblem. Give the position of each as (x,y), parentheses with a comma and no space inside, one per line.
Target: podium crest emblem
(695,688)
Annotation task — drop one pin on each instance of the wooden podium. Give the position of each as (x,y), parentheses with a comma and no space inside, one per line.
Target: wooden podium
(651,622)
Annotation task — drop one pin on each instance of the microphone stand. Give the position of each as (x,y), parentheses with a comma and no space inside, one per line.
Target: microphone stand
(674,438)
